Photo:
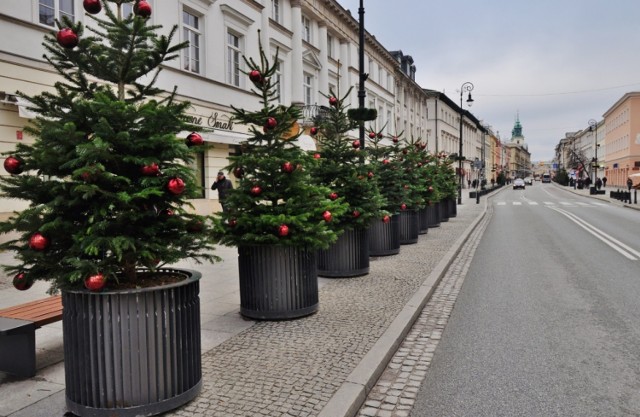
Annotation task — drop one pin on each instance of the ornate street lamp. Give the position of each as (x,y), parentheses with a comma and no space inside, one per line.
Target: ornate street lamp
(593,126)
(468,87)
(362,76)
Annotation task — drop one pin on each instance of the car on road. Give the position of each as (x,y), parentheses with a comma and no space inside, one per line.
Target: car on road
(518,183)
(528,181)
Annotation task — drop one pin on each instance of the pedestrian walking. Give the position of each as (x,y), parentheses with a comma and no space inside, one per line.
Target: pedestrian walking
(598,183)
(223,185)
(604,182)
(629,183)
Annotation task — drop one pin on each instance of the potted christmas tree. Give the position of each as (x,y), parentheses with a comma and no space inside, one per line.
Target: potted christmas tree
(276,216)
(408,157)
(447,187)
(343,170)
(432,193)
(107,181)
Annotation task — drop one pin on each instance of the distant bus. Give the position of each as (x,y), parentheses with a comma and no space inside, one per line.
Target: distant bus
(546,178)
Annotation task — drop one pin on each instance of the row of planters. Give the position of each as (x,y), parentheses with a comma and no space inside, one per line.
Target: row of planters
(108,183)
(483,191)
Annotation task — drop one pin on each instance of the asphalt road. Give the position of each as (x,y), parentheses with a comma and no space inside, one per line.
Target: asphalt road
(548,320)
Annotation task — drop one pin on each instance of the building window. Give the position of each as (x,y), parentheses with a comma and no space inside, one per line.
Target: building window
(51,9)
(279,81)
(197,165)
(127,10)
(234,53)
(275,10)
(306,29)
(330,46)
(191,33)
(308,89)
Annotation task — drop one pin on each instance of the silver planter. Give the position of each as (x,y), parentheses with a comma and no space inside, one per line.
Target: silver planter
(423,220)
(277,282)
(384,238)
(433,215)
(409,227)
(132,352)
(346,257)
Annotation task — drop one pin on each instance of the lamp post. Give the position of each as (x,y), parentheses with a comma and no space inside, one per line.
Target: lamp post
(593,126)
(465,87)
(363,77)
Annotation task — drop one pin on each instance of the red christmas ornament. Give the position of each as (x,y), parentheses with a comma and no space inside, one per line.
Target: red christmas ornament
(355,144)
(92,6)
(13,165)
(255,76)
(95,282)
(419,164)
(406,187)
(194,139)
(86,176)
(380,135)
(233,222)
(333,101)
(195,226)
(356,214)
(372,135)
(256,190)
(176,186)
(386,219)
(313,131)
(333,196)
(165,214)
(385,161)
(150,170)
(423,146)
(21,282)
(430,189)
(67,38)
(38,242)
(283,230)
(271,123)
(404,151)
(395,139)
(327,216)
(370,174)
(142,9)
(238,172)
(316,156)
(403,206)
(288,167)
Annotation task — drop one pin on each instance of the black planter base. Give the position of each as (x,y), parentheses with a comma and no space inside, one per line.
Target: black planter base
(348,257)
(384,238)
(409,227)
(433,215)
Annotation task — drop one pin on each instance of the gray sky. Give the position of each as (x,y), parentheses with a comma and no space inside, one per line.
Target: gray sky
(558,63)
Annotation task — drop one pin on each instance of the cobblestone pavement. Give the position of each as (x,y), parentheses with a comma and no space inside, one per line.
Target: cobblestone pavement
(395,392)
(293,368)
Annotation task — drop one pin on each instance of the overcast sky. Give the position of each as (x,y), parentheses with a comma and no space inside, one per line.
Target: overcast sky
(558,63)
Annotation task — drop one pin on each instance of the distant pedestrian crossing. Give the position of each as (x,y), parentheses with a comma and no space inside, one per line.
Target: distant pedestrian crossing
(551,203)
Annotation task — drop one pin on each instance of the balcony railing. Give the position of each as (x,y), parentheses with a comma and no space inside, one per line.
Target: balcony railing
(313,114)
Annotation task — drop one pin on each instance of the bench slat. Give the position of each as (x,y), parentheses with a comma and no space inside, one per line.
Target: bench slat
(41,312)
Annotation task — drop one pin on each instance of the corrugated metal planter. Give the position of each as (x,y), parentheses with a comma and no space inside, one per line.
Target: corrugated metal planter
(409,227)
(423,221)
(132,352)
(443,208)
(277,282)
(384,238)
(433,215)
(453,208)
(347,257)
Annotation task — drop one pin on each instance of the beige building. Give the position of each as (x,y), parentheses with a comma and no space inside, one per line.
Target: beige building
(622,140)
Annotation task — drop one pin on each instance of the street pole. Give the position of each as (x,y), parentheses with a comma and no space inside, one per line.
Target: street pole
(363,76)
(593,126)
(467,86)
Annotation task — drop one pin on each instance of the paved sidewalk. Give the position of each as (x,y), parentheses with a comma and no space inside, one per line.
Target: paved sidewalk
(324,364)
(603,197)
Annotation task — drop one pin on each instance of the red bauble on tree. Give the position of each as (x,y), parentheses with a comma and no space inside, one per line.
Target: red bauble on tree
(95,282)
(385,161)
(386,219)
(238,172)
(403,206)
(283,230)
(13,165)
(395,139)
(355,144)
(195,226)
(176,186)
(150,170)
(327,216)
(313,130)
(233,222)
(165,214)
(430,189)
(271,123)
(256,77)
(372,135)
(333,101)
(92,6)
(316,156)
(38,241)
(356,214)
(333,196)
(67,38)
(370,174)
(22,282)
(256,190)
(194,139)
(142,9)
(287,167)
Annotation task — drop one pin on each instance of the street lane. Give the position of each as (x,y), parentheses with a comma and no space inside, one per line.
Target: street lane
(547,322)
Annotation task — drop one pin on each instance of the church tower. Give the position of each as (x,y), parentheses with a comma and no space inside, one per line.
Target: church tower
(516,133)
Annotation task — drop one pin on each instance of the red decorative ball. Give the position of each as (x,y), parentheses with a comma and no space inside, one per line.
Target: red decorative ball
(67,38)
(195,226)
(176,186)
(404,151)
(356,214)
(403,206)
(380,135)
(142,9)
(327,216)
(406,187)
(386,219)
(86,176)
(165,214)
(385,161)
(271,123)
(256,190)
(13,165)
(333,196)
(316,156)
(372,135)
(233,222)
(288,167)
(255,76)
(370,174)
(423,146)
(355,144)
(283,230)
(238,172)
(395,139)
(38,242)
(333,101)
(430,189)
(95,282)
(150,170)
(194,139)
(21,282)
(313,130)
(92,6)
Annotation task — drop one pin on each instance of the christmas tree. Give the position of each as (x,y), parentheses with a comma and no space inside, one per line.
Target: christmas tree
(107,177)
(276,202)
(385,162)
(411,160)
(446,180)
(342,168)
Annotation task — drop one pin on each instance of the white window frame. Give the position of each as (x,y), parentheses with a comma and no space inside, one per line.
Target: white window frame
(192,55)
(234,58)
(276,11)
(330,50)
(307,87)
(278,78)
(307,33)
(58,11)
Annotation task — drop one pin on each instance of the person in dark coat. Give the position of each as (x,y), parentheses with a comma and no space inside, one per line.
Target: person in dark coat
(223,185)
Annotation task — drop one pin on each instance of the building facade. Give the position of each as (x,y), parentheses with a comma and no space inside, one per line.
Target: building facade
(622,140)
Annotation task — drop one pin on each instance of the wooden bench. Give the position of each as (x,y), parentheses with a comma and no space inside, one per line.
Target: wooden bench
(18,326)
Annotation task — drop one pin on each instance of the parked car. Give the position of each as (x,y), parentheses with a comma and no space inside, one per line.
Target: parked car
(518,183)
(528,181)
